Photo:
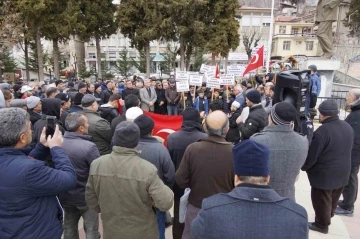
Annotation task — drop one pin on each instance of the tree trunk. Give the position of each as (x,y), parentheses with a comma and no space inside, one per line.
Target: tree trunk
(182,56)
(39,55)
(26,52)
(56,55)
(213,59)
(147,52)
(98,56)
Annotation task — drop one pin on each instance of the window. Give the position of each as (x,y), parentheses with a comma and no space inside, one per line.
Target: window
(132,54)
(113,41)
(112,55)
(103,55)
(272,46)
(294,31)
(266,24)
(245,21)
(286,45)
(309,45)
(282,29)
(256,21)
(92,55)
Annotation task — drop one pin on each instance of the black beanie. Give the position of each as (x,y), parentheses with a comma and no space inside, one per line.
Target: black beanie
(254,96)
(283,113)
(78,98)
(329,108)
(127,135)
(244,83)
(145,123)
(191,114)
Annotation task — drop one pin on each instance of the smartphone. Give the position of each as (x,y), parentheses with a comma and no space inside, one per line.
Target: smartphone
(50,125)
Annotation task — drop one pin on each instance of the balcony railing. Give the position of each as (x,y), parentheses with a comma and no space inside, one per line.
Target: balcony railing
(302,35)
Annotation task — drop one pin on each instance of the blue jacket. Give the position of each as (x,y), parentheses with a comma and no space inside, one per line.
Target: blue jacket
(315,83)
(206,104)
(29,207)
(250,211)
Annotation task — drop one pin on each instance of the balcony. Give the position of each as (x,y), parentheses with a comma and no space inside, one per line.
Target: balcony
(298,36)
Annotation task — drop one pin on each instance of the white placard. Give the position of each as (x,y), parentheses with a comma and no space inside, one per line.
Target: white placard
(181,76)
(196,80)
(204,68)
(192,73)
(182,86)
(227,79)
(213,83)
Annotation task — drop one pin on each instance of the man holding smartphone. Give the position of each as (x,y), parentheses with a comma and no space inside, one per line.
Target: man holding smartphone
(29,206)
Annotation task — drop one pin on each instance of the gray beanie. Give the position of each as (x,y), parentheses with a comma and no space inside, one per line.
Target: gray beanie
(127,135)
(329,108)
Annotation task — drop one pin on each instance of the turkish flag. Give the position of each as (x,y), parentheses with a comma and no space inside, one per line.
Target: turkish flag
(217,72)
(165,124)
(256,61)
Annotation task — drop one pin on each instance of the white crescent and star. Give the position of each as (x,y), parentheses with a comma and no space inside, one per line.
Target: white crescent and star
(257,59)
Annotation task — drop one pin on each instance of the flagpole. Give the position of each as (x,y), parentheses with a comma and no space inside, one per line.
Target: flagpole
(270,37)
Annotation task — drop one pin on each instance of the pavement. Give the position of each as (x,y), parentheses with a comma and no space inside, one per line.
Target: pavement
(341,227)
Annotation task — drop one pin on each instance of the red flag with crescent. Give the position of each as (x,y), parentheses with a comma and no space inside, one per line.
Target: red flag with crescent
(256,61)
(217,72)
(164,125)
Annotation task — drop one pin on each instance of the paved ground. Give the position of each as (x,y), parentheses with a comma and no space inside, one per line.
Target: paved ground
(341,227)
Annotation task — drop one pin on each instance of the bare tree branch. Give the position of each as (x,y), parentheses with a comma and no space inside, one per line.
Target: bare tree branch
(251,37)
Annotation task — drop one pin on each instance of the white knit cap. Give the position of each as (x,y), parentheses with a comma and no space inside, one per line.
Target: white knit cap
(133,113)
(236,104)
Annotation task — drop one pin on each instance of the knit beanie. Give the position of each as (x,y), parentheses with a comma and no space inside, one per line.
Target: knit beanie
(97,86)
(254,96)
(329,108)
(132,113)
(78,98)
(191,114)
(236,104)
(251,159)
(145,124)
(127,135)
(283,113)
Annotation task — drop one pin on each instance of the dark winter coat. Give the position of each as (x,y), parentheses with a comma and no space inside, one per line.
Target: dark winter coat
(329,159)
(116,121)
(257,121)
(63,116)
(237,215)
(354,121)
(105,96)
(156,153)
(50,107)
(172,96)
(160,93)
(177,143)
(34,117)
(28,204)
(82,152)
(127,92)
(233,134)
(108,112)
(207,169)
(181,105)
(75,108)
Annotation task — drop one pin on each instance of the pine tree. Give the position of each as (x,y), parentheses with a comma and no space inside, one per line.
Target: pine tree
(124,64)
(8,63)
(95,20)
(222,27)
(141,21)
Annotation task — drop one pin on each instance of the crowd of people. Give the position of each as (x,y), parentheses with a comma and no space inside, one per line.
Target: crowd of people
(236,151)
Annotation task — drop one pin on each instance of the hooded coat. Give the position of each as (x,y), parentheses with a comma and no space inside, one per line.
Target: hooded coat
(50,107)
(108,112)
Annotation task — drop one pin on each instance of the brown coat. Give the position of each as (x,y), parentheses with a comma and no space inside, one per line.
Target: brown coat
(207,169)
(172,95)
(122,186)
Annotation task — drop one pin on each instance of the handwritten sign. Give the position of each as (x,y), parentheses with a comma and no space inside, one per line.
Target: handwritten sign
(213,83)
(181,76)
(227,79)
(182,86)
(204,68)
(196,80)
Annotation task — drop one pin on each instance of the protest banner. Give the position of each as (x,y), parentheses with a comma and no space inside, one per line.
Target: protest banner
(182,86)
(213,83)
(227,79)
(196,80)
